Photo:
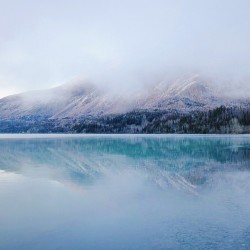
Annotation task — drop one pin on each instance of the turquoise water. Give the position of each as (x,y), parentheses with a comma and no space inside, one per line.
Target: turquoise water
(124,192)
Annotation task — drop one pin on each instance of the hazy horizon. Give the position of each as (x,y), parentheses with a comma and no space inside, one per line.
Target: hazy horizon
(122,44)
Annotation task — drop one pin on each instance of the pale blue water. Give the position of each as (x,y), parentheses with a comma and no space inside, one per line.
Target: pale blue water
(124,192)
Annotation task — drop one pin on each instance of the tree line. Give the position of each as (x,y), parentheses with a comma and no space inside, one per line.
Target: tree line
(221,120)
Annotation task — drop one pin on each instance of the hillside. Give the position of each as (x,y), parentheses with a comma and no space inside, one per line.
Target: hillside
(83,104)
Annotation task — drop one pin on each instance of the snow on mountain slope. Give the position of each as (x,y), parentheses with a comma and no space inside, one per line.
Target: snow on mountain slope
(76,100)
(182,94)
(69,100)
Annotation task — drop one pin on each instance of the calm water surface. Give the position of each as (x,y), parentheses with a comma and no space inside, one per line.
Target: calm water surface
(124,192)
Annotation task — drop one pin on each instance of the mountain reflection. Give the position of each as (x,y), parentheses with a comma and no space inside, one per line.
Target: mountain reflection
(124,192)
(83,160)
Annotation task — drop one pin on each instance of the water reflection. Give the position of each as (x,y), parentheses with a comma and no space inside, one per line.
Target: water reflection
(125,192)
(85,159)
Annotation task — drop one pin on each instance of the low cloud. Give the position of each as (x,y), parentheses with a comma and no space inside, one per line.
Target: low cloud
(122,45)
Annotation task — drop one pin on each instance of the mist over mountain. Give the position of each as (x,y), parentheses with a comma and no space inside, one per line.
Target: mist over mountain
(84,99)
(122,45)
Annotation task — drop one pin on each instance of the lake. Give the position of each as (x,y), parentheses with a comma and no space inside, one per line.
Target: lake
(124,192)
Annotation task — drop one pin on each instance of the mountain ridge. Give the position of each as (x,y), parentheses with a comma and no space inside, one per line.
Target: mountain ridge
(80,100)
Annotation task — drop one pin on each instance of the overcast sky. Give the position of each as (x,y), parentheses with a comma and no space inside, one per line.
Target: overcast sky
(45,43)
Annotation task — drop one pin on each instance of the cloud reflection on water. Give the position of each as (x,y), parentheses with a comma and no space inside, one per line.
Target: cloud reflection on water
(125,193)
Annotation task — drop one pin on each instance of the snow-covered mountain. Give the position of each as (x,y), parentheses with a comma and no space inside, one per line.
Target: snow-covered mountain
(75,100)
(69,100)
